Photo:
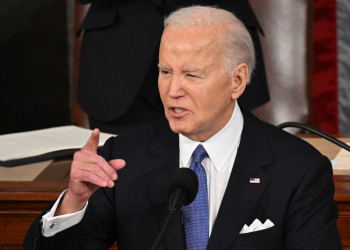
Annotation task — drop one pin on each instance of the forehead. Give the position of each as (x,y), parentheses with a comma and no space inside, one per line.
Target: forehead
(191,41)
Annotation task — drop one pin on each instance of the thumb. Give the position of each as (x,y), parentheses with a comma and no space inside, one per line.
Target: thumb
(117,164)
(92,144)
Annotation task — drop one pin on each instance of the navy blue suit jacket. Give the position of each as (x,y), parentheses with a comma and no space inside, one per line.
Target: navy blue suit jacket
(295,192)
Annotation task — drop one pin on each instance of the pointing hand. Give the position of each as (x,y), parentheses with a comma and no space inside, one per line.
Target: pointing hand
(89,172)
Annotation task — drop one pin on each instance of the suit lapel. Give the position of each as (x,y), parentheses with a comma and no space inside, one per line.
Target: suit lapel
(165,159)
(241,196)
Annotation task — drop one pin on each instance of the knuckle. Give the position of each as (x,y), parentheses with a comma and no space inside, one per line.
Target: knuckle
(110,171)
(75,165)
(88,178)
(77,155)
(75,173)
(99,160)
(84,176)
(94,168)
(74,177)
(72,172)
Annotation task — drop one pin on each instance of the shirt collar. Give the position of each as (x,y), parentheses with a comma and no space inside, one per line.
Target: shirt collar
(219,147)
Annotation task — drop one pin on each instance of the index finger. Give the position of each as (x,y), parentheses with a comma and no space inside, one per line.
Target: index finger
(92,144)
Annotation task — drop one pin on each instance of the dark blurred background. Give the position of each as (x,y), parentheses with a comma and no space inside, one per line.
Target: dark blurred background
(34,64)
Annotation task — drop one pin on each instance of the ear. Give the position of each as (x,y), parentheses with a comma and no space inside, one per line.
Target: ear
(239,81)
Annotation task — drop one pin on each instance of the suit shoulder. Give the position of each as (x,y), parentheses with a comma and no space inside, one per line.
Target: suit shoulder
(281,143)
(284,140)
(144,132)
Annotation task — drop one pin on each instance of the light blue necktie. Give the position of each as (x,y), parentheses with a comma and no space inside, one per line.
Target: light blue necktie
(196,215)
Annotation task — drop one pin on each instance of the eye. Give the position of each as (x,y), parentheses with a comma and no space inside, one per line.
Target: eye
(165,72)
(192,76)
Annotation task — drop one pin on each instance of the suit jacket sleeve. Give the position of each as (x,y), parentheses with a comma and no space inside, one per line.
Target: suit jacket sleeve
(71,237)
(313,214)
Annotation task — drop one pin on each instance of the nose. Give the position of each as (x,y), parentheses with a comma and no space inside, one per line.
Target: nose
(176,86)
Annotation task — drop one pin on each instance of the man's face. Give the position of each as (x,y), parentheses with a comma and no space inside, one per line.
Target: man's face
(197,94)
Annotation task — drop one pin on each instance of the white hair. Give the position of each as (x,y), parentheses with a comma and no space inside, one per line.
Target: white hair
(237,42)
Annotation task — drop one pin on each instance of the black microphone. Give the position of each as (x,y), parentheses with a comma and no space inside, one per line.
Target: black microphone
(182,189)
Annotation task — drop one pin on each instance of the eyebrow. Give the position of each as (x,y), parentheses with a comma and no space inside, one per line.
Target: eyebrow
(190,70)
(162,67)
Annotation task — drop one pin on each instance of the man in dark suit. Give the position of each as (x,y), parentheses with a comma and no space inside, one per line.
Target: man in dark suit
(119,55)
(265,188)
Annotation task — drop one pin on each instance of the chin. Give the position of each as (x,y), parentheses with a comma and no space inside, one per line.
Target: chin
(178,127)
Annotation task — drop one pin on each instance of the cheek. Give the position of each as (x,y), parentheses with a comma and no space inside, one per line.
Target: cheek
(215,101)
(162,88)
(210,98)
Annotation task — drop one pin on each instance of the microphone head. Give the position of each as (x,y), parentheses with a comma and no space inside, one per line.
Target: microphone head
(184,178)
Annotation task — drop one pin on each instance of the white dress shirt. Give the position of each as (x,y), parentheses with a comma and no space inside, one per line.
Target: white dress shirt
(221,149)
(54,224)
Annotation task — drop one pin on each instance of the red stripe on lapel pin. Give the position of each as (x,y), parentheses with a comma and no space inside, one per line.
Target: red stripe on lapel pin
(254,180)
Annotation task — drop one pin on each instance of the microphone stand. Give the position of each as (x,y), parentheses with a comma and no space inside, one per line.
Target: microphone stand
(177,201)
(162,233)
(315,131)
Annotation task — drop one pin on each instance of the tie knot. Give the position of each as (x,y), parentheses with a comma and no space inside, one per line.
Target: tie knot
(199,154)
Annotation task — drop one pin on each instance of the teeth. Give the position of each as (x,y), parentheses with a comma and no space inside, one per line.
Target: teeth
(178,110)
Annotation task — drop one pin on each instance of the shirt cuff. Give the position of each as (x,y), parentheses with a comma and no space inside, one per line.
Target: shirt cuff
(54,224)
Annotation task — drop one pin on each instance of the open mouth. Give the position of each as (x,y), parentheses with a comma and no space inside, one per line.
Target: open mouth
(178,110)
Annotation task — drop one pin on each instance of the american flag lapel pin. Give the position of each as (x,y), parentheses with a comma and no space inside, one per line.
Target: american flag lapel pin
(254,180)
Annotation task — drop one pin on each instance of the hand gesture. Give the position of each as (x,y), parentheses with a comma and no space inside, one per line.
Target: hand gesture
(89,171)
